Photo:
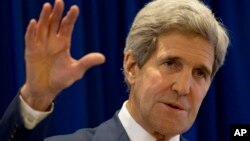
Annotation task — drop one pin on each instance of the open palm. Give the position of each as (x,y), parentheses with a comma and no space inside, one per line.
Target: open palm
(49,65)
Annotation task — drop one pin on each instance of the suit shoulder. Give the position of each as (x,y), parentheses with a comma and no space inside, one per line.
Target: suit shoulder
(79,135)
(110,130)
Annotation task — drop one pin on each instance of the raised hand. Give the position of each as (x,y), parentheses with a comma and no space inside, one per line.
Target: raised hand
(49,65)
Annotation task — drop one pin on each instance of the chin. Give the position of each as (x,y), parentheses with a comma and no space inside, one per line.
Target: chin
(173,128)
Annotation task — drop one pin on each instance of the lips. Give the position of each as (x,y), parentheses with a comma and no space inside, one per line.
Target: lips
(175,106)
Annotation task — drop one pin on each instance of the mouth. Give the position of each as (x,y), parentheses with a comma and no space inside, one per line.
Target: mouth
(175,106)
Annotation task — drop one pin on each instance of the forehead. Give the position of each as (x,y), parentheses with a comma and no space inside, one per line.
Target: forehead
(187,46)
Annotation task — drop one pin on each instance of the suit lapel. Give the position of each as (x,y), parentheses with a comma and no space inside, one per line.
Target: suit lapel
(183,139)
(111,130)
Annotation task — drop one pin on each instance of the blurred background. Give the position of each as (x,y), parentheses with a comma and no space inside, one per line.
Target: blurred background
(103,26)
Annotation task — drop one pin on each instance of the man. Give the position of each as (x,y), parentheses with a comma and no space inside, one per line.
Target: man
(173,51)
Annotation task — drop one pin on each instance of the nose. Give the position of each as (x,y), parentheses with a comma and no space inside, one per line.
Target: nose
(182,84)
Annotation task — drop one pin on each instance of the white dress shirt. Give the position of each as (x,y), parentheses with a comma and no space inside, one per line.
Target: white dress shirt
(134,130)
(30,116)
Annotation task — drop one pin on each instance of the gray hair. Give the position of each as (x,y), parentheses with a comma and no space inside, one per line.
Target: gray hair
(161,16)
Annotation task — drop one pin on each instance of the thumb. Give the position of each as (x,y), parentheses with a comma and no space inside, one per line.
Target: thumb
(90,60)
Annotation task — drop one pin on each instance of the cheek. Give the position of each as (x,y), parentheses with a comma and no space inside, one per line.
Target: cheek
(151,89)
(150,84)
(202,95)
(197,98)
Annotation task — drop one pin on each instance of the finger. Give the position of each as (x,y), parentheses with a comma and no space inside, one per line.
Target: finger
(90,60)
(30,34)
(43,22)
(68,22)
(56,16)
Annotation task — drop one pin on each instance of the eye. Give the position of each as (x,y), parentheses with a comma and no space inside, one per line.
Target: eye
(200,73)
(172,64)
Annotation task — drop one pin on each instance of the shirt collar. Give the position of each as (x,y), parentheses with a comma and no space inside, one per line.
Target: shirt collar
(134,130)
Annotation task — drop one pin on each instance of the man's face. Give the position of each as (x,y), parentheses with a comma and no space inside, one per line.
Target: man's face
(167,91)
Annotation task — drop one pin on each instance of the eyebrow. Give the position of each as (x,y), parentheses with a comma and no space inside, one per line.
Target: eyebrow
(170,57)
(176,58)
(165,57)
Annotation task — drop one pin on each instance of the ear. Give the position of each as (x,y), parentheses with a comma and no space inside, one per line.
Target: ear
(130,68)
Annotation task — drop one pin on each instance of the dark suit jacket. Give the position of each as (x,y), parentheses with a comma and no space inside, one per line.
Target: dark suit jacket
(12,129)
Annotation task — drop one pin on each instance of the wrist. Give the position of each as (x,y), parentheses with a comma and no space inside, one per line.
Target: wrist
(38,100)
